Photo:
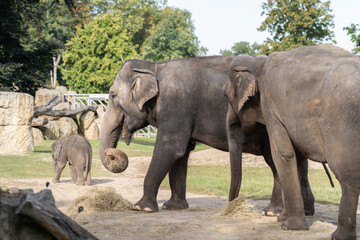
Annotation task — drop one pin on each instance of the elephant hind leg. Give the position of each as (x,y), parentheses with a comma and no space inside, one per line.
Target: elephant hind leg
(80,177)
(73,173)
(346,228)
(177,179)
(88,179)
(306,193)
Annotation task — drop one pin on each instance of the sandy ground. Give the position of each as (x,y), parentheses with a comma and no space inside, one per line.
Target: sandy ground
(203,220)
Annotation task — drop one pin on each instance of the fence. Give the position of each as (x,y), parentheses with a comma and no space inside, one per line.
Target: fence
(101,100)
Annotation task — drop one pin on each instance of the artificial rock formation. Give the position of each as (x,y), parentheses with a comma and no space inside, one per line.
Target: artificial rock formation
(16,113)
(88,126)
(60,127)
(37,136)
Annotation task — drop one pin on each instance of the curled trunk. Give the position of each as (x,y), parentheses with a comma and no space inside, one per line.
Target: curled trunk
(114,160)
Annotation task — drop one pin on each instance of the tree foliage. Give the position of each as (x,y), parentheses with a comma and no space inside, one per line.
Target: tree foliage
(94,55)
(28,40)
(354,32)
(173,37)
(138,16)
(242,48)
(294,23)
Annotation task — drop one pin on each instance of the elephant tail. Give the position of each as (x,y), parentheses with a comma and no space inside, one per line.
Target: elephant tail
(328,173)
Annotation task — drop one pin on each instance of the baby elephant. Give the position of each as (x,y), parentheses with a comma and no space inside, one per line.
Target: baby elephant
(77,151)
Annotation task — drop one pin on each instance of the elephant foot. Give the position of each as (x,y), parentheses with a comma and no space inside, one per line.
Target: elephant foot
(146,206)
(56,181)
(80,183)
(73,181)
(175,204)
(309,209)
(272,210)
(294,223)
(342,234)
(282,217)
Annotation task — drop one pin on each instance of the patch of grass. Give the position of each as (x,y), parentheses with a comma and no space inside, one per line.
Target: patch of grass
(257,183)
(38,164)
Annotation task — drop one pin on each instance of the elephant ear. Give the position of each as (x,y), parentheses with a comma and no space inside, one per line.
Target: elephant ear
(245,85)
(229,93)
(144,87)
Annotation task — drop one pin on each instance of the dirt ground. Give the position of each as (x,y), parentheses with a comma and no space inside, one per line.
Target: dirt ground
(203,220)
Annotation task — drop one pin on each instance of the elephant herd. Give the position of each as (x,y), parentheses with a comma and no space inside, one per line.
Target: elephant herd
(288,107)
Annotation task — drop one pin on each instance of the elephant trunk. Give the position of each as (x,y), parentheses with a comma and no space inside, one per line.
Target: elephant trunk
(114,160)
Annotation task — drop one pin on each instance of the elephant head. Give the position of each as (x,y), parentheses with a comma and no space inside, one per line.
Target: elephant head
(134,86)
(244,73)
(55,151)
(56,148)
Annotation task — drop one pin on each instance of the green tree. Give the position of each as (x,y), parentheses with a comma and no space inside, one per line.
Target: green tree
(25,51)
(294,23)
(172,38)
(22,54)
(94,55)
(354,32)
(138,16)
(242,48)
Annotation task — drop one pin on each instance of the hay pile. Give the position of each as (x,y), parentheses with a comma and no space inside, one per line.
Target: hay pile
(236,207)
(100,200)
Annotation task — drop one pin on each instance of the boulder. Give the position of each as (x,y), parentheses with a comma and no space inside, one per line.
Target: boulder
(16,112)
(58,128)
(62,106)
(16,108)
(16,139)
(88,126)
(37,136)
(67,127)
(62,89)
(43,95)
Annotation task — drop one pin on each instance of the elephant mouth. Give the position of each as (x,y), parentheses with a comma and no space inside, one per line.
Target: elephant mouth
(127,135)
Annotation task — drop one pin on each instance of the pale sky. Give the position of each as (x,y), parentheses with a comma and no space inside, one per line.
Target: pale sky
(219,24)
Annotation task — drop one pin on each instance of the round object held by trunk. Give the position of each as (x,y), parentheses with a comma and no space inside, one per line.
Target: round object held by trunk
(116,161)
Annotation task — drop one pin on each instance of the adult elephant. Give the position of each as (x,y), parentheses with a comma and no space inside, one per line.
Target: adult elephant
(310,102)
(185,101)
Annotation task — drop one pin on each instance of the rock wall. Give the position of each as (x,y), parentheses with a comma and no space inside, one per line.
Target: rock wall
(56,128)
(88,126)
(16,112)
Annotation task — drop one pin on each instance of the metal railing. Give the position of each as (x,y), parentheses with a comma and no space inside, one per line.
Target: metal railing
(101,100)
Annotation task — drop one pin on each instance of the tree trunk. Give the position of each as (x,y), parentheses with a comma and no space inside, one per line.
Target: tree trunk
(50,218)
(53,76)
(46,109)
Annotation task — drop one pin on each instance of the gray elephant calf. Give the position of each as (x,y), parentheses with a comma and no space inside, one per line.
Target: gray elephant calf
(77,151)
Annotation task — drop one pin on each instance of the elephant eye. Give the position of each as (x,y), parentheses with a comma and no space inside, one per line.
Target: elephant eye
(113,95)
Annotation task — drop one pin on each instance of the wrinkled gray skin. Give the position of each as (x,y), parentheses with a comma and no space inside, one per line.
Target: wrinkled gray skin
(77,151)
(184,99)
(310,102)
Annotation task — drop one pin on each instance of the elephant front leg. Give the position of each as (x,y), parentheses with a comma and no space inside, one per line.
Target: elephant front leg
(285,161)
(168,149)
(58,168)
(177,179)
(346,229)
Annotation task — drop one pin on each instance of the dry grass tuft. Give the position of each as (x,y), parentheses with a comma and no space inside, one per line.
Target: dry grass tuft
(100,200)
(237,206)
